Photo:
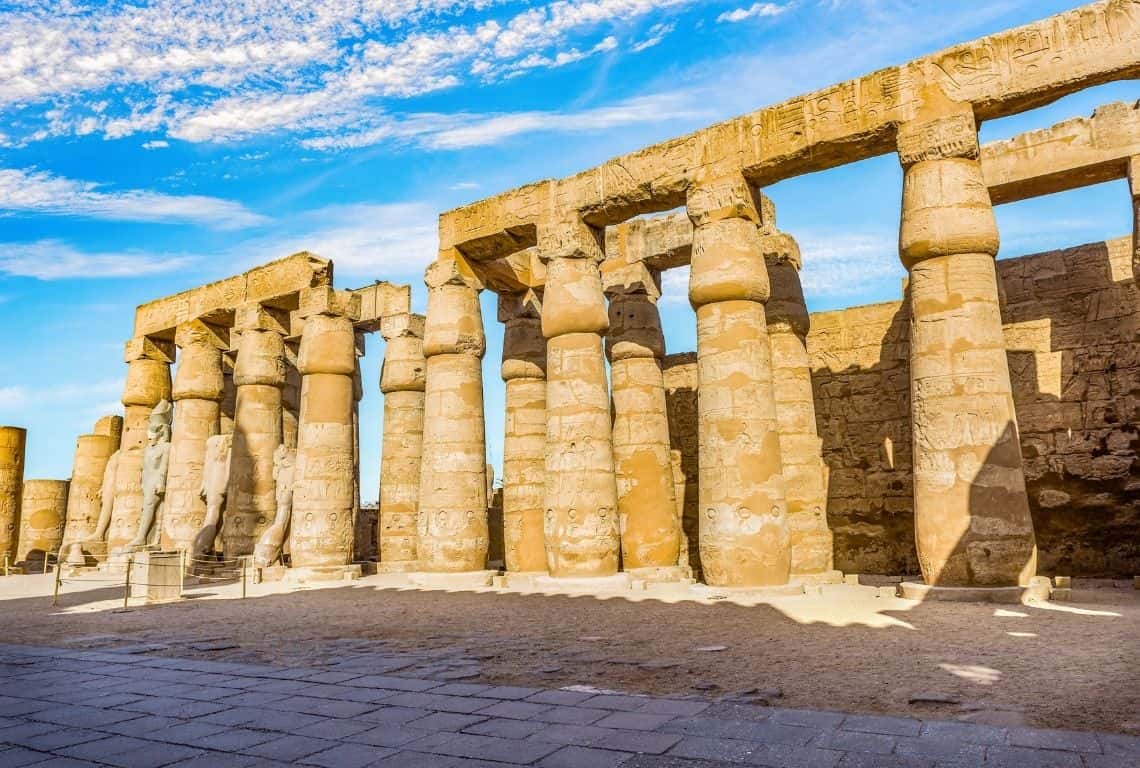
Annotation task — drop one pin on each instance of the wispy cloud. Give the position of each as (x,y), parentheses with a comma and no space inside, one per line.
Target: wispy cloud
(753,11)
(17,399)
(56,260)
(829,261)
(39,192)
(156,144)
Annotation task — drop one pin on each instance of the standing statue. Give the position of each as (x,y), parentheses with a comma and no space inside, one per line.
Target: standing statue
(156,459)
(269,546)
(106,505)
(215,482)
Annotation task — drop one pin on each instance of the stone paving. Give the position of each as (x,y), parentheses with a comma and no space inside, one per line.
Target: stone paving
(124,708)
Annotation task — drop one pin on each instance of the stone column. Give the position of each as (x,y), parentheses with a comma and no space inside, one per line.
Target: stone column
(743,512)
(43,511)
(84,497)
(12,445)
(259,376)
(524,439)
(402,384)
(801,448)
(197,392)
(148,383)
(363,540)
(972,521)
(453,491)
(1134,185)
(290,397)
(229,394)
(321,532)
(580,493)
(646,496)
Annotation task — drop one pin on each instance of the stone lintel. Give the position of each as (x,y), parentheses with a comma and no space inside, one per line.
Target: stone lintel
(939,138)
(329,301)
(513,273)
(379,301)
(200,331)
(1134,175)
(145,348)
(662,242)
(273,284)
(995,76)
(1076,153)
(569,238)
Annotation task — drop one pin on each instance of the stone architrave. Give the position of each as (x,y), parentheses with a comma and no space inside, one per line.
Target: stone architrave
(972,521)
(84,499)
(579,491)
(801,448)
(743,511)
(524,438)
(646,502)
(270,545)
(259,376)
(43,511)
(215,486)
(155,466)
(12,446)
(148,383)
(321,530)
(402,384)
(452,525)
(198,390)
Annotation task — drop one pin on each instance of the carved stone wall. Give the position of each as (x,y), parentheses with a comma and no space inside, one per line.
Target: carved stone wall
(1072,329)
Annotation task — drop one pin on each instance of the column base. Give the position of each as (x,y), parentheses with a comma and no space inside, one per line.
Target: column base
(619,582)
(323,573)
(823,577)
(791,589)
(518,579)
(1037,591)
(397,566)
(672,574)
(460,580)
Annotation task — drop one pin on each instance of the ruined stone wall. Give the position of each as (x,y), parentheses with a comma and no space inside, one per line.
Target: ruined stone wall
(1072,329)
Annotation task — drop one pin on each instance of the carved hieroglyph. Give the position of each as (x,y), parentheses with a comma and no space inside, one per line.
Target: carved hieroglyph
(271,542)
(743,511)
(43,510)
(402,384)
(84,499)
(524,437)
(972,523)
(215,486)
(453,491)
(12,443)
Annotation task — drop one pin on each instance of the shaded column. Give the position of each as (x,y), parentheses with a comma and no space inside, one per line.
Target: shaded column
(1134,186)
(229,393)
(453,490)
(363,540)
(580,493)
(13,442)
(290,397)
(801,448)
(197,392)
(259,376)
(524,438)
(148,383)
(646,495)
(402,384)
(43,511)
(743,522)
(321,534)
(84,497)
(972,521)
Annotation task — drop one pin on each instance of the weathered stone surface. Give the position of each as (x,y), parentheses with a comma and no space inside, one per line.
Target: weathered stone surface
(43,511)
(12,445)
(84,498)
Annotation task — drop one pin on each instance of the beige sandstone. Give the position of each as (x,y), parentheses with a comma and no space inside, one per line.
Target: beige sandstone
(12,445)
(84,500)
(43,512)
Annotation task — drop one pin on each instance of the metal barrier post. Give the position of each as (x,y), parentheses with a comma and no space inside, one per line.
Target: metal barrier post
(127,584)
(244,560)
(58,581)
(181,571)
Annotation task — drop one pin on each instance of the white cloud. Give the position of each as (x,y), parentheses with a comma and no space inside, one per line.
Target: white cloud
(753,11)
(465,185)
(56,260)
(39,192)
(156,144)
(16,399)
(830,261)
(657,33)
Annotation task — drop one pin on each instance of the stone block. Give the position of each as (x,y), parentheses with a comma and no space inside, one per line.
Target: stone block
(156,576)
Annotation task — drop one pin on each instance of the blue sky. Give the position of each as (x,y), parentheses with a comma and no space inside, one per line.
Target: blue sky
(149,147)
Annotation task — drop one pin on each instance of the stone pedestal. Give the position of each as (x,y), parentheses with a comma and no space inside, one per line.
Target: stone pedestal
(972,522)
(197,393)
(648,517)
(12,444)
(461,580)
(580,492)
(84,498)
(43,510)
(744,538)
(156,576)
(453,486)
(524,438)
(259,376)
(148,383)
(321,532)
(1018,594)
(402,383)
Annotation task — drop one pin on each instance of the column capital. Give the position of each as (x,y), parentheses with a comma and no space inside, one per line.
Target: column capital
(1134,176)
(524,347)
(518,306)
(451,268)
(780,248)
(636,278)
(727,197)
(405,324)
(946,211)
(147,348)
(258,317)
(570,238)
(952,135)
(198,333)
(328,301)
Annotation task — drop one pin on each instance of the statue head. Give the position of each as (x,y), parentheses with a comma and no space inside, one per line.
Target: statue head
(284,456)
(158,424)
(217,446)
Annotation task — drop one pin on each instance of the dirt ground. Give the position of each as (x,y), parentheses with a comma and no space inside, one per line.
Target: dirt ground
(1072,665)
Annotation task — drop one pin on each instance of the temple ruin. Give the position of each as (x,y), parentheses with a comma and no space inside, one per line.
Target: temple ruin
(982,431)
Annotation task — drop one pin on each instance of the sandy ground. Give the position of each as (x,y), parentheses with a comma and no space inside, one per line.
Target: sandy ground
(1072,665)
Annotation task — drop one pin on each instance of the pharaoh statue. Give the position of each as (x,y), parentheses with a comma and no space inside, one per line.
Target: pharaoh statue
(269,546)
(156,460)
(106,505)
(215,481)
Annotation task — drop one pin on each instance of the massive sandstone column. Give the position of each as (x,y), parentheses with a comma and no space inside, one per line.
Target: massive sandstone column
(43,510)
(402,384)
(646,500)
(197,394)
(148,383)
(524,439)
(452,527)
(1134,185)
(801,448)
(743,512)
(321,534)
(12,445)
(290,397)
(580,493)
(972,522)
(259,376)
(84,497)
